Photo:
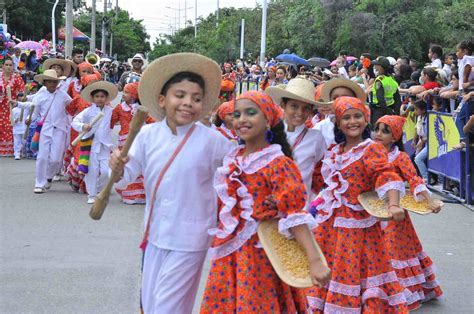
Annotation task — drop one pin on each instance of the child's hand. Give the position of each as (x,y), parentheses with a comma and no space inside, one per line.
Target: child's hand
(320,273)
(13,103)
(117,163)
(86,127)
(396,213)
(434,205)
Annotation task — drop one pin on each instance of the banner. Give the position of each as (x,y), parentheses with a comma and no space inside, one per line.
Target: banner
(409,132)
(443,135)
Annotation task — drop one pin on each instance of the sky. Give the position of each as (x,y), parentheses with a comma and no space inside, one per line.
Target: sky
(157,18)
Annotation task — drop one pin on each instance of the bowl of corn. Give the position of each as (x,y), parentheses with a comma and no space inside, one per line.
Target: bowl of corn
(287,256)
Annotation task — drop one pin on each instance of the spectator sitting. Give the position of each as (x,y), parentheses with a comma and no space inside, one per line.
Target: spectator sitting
(419,142)
(428,81)
(448,64)
(451,91)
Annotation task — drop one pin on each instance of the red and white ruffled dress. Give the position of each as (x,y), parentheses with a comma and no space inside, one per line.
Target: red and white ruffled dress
(123,114)
(229,134)
(241,279)
(414,268)
(363,279)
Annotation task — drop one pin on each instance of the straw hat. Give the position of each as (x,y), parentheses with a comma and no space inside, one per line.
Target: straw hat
(163,69)
(138,56)
(298,88)
(73,67)
(330,85)
(48,75)
(110,88)
(67,67)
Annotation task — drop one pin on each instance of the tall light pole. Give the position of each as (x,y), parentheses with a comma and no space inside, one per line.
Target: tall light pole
(264,33)
(195,18)
(242,34)
(53,24)
(93,22)
(111,33)
(104,36)
(69,37)
(217,14)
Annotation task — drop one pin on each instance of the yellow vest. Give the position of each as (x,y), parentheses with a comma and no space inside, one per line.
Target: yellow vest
(390,87)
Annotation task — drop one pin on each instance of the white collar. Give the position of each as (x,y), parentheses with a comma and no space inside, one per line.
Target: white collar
(180,130)
(298,129)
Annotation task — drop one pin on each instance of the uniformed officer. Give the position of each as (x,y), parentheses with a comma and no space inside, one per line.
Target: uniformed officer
(384,96)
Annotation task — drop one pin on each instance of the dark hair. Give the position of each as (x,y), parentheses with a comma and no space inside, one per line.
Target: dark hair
(406,60)
(99,90)
(366,55)
(405,72)
(431,73)
(77,51)
(282,68)
(466,45)
(437,49)
(183,76)
(279,137)
(455,73)
(398,143)
(353,67)
(420,104)
(415,76)
(339,137)
(7,58)
(218,121)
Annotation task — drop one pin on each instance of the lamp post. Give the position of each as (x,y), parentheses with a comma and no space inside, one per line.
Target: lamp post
(264,33)
(53,25)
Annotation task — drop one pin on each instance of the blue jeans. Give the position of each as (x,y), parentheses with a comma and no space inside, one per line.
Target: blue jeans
(420,161)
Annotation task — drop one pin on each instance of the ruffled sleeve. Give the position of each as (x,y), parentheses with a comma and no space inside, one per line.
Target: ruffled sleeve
(382,173)
(115,116)
(407,171)
(289,193)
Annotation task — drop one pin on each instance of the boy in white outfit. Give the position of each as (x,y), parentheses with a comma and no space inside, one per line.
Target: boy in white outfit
(99,94)
(19,127)
(50,106)
(182,88)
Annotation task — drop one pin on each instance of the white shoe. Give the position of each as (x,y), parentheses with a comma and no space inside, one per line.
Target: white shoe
(17,158)
(38,190)
(90,200)
(57,178)
(48,184)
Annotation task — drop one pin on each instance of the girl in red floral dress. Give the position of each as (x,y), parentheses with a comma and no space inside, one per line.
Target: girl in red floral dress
(413,266)
(224,119)
(13,81)
(363,280)
(241,278)
(123,114)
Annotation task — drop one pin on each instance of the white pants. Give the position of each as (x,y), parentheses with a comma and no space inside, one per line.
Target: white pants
(50,156)
(98,173)
(18,143)
(170,280)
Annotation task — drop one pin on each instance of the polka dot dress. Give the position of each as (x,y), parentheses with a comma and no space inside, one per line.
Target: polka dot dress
(6,131)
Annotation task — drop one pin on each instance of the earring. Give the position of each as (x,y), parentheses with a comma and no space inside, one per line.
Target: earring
(269,136)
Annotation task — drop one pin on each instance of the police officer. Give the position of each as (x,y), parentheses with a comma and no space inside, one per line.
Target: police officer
(384,96)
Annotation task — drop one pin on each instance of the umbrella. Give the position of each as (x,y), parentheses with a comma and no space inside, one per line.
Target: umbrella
(319,62)
(349,60)
(293,59)
(31,45)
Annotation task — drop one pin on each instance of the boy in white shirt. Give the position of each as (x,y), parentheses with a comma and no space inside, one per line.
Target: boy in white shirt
(50,106)
(94,156)
(19,127)
(181,88)
(308,145)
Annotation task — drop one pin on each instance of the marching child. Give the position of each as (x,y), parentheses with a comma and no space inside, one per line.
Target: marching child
(178,158)
(50,107)
(123,114)
(307,145)
(224,118)
(363,279)
(19,117)
(412,265)
(96,144)
(241,278)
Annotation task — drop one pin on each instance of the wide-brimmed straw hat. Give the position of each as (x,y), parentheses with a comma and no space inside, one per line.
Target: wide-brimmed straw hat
(298,88)
(163,69)
(110,88)
(138,56)
(67,67)
(48,75)
(330,85)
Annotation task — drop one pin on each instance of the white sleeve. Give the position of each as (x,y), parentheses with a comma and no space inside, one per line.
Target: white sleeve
(37,111)
(78,121)
(24,104)
(320,146)
(133,168)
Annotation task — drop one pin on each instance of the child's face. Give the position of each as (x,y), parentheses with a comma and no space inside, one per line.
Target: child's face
(50,85)
(340,92)
(419,112)
(296,112)
(383,134)
(352,123)
(249,121)
(326,110)
(99,98)
(58,69)
(182,102)
(436,106)
(352,73)
(280,74)
(128,98)
(229,120)
(449,60)
(85,71)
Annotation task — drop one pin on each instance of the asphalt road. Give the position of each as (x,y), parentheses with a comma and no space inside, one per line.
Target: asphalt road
(55,259)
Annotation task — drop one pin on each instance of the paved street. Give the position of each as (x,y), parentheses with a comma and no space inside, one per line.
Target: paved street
(55,259)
